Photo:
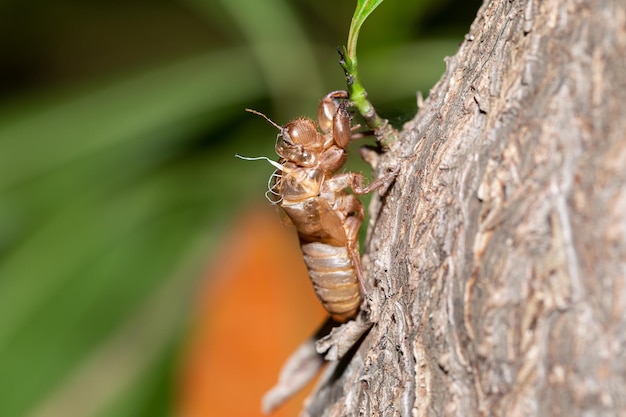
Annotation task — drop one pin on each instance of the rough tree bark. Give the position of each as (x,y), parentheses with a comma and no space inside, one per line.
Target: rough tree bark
(499,254)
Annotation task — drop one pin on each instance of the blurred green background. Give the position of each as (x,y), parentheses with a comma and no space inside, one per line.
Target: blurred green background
(119,121)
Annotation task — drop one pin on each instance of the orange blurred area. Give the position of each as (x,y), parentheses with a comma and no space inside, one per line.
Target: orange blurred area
(257,307)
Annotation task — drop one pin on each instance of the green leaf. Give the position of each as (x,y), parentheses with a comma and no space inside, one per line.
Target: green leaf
(363,9)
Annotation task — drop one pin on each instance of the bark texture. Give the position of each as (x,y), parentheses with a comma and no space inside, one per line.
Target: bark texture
(499,254)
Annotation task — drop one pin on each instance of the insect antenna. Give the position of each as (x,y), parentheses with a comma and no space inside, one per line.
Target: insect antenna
(273,123)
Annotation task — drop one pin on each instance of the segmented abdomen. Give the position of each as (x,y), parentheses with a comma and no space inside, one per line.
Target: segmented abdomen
(334,279)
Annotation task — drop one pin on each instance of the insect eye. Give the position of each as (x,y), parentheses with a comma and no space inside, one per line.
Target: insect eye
(301,131)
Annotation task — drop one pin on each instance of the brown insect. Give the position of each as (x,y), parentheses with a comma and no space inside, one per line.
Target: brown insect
(313,195)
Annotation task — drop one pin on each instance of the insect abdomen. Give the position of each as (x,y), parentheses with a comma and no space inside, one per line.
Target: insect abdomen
(334,278)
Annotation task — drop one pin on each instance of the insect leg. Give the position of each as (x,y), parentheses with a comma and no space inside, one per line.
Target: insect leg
(327,109)
(355,257)
(342,133)
(356,183)
(353,214)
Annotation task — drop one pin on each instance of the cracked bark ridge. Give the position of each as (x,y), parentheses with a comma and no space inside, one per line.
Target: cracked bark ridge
(499,254)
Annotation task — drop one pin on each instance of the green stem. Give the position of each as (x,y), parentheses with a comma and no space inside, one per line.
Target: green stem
(384,132)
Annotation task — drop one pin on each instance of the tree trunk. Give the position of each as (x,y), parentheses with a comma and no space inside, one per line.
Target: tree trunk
(499,254)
